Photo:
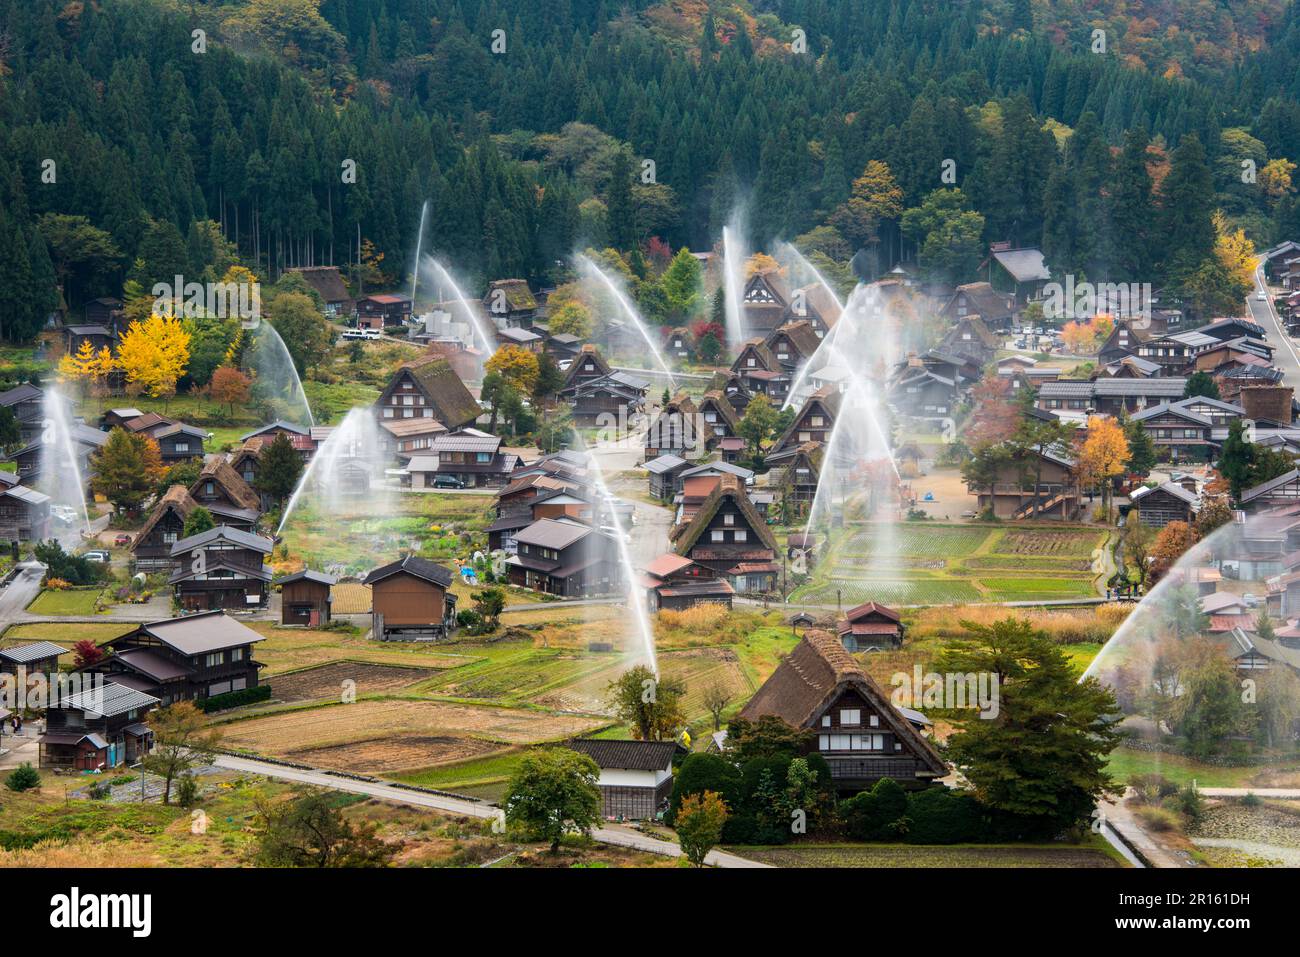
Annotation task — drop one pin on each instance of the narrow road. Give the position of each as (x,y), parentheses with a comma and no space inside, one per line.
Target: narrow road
(1285,355)
(20,591)
(606,834)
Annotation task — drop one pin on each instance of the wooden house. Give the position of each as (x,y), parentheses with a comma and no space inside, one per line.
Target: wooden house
(821,688)
(96,729)
(222,568)
(870,627)
(674,583)
(31,459)
(429,388)
(611,401)
(802,473)
(105,311)
(523,338)
(566,558)
(793,344)
(510,303)
(221,490)
(1281,491)
(729,537)
(1012,494)
(679,430)
(636,777)
(27,403)
(99,337)
(923,394)
(305,598)
(678,343)
(664,472)
(37,657)
(411,600)
(382,311)
(760,372)
(1022,271)
(719,414)
(152,548)
(179,442)
(979,299)
(24,514)
(970,337)
(768,302)
(1165,503)
(329,285)
(473,457)
(408,437)
(813,423)
(1122,343)
(183,659)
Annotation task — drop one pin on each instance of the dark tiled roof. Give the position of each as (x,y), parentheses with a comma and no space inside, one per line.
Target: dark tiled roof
(415,566)
(627,755)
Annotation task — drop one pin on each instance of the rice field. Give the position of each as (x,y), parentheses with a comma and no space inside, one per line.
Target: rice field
(950,564)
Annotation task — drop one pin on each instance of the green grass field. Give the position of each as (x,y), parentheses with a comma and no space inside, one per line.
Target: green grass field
(78,602)
(1087,854)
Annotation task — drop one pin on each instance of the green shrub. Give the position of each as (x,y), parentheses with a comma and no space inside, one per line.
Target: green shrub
(878,814)
(23,778)
(705,772)
(1250,799)
(233,699)
(941,816)
(187,791)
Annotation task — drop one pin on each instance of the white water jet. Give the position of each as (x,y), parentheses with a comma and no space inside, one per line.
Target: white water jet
(419,239)
(62,477)
(733,277)
(483,339)
(346,473)
(592,271)
(634,593)
(276,377)
(821,357)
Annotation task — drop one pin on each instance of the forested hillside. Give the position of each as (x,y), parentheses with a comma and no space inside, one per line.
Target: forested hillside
(528,152)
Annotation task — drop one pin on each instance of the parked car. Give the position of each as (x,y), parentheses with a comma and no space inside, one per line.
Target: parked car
(98,555)
(64,513)
(362,334)
(1251,600)
(1262,296)
(447,481)
(121,541)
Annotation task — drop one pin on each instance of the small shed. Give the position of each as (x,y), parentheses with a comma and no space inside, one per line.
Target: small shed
(306,598)
(664,472)
(39,657)
(636,777)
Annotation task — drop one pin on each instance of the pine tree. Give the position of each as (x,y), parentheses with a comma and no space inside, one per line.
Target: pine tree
(279,468)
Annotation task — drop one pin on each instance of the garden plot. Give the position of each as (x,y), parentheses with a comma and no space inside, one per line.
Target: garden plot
(399,723)
(386,754)
(327,682)
(1050,543)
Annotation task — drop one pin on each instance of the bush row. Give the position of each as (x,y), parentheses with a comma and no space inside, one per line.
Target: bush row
(233,699)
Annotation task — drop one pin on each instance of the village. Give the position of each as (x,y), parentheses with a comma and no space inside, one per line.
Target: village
(423,592)
(661,436)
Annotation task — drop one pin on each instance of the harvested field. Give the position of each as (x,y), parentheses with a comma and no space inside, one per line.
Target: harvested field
(350,598)
(327,681)
(291,649)
(1048,543)
(287,733)
(384,755)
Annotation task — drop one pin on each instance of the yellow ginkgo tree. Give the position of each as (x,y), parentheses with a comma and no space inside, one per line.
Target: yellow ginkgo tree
(154,353)
(88,369)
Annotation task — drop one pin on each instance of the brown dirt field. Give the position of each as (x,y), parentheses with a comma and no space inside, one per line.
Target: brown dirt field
(389,754)
(281,734)
(326,681)
(290,649)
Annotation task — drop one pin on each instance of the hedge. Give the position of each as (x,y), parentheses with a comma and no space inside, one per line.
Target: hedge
(233,699)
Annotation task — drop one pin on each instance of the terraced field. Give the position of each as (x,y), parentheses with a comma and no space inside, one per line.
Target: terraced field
(920,563)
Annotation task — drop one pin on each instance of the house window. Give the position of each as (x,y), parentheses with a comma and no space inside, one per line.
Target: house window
(214,659)
(850,716)
(750,363)
(805,436)
(483,458)
(717,535)
(237,654)
(388,413)
(826,721)
(741,535)
(169,538)
(182,446)
(874,721)
(817,422)
(728,520)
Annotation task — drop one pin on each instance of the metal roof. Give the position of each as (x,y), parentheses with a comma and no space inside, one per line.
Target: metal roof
(224,533)
(108,700)
(201,633)
(23,654)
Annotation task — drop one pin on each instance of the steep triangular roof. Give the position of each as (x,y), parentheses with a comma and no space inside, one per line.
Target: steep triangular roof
(729,487)
(761,352)
(814,675)
(218,470)
(176,498)
(801,334)
(588,353)
(452,403)
(715,399)
(827,398)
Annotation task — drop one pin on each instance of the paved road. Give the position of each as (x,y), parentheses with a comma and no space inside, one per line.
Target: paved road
(20,591)
(609,834)
(1285,355)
